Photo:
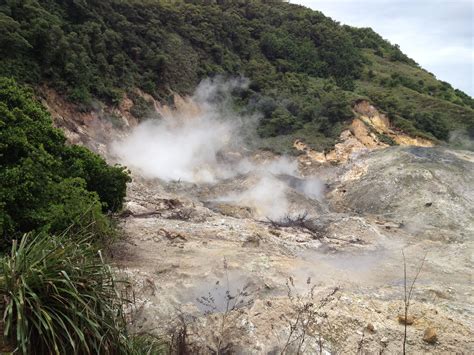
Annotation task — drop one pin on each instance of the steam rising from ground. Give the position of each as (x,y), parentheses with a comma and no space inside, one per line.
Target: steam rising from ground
(184,145)
(201,141)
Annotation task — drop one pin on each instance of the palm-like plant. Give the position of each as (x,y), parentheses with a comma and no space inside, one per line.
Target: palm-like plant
(57,296)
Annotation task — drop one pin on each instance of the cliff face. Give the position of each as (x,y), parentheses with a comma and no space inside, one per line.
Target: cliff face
(93,128)
(369,130)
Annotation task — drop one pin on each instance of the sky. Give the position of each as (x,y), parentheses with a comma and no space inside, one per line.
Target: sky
(437,34)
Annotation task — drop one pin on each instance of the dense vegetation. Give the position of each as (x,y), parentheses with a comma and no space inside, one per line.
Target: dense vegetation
(46,185)
(58,297)
(305,69)
(56,294)
(83,305)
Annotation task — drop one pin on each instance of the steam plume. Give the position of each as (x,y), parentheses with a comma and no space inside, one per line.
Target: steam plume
(194,140)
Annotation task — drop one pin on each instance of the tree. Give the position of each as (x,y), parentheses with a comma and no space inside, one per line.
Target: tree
(44,184)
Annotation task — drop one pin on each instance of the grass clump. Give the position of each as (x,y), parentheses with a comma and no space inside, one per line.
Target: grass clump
(58,297)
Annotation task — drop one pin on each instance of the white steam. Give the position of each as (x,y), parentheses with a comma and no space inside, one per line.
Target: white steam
(200,140)
(267,197)
(184,145)
(167,151)
(312,187)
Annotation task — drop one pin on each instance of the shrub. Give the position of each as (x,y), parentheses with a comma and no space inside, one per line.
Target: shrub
(386,139)
(141,108)
(59,297)
(46,185)
(109,182)
(436,124)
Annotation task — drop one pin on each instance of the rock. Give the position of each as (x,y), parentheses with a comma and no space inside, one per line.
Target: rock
(252,241)
(133,208)
(433,177)
(370,327)
(408,321)
(384,341)
(228,209)
(430,336)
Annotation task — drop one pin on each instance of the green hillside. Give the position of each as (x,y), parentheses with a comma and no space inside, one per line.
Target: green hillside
(57,296)
(304,68)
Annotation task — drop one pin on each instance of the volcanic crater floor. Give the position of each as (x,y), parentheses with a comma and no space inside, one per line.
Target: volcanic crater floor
(331,284)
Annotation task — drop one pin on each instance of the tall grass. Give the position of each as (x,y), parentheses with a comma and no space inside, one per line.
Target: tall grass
(58,296)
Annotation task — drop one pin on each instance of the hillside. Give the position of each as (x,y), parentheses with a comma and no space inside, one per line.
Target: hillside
(304,69)
(189,232)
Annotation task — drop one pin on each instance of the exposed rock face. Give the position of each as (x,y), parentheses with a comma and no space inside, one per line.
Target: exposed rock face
(426,190)
(95,127)
(366,132)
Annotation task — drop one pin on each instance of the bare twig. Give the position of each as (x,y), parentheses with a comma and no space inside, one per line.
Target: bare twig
(408,295)
(300,221)
(233,302)
(306,315)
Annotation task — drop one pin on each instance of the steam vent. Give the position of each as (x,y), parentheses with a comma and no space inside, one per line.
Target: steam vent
(235,177)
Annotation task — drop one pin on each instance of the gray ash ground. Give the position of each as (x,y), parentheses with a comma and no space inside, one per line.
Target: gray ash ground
(179,235)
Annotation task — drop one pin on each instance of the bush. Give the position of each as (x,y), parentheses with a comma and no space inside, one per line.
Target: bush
(58,297)
(436,124)
(46,185)
(109,182)
(385,139)
(141,108)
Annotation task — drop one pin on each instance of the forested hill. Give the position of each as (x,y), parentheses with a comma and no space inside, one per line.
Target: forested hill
(305,69)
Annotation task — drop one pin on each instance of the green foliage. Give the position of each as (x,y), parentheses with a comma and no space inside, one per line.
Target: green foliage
(280,122)
(141,109)
(146,345)
(436,124)
(385,139)
(109,182)
(44,184)
(58,297)
(292,55)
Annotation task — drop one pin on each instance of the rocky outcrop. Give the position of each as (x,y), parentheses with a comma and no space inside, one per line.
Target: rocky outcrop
(369,130)
(427,190)
(95,126)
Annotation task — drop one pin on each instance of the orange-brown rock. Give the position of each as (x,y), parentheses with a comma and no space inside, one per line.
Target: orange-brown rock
(364,133)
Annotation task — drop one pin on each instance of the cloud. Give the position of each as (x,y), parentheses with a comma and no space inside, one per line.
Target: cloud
(438,34)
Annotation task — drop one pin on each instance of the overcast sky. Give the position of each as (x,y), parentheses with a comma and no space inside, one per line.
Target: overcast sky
(437,34)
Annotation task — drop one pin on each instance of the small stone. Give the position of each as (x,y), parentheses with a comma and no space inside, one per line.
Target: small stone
(408,321)
(252,241)
(430,335)
(370,327)
(268,286)
(384,341)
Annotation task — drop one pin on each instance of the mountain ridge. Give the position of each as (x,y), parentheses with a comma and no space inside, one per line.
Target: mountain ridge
(305,70)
